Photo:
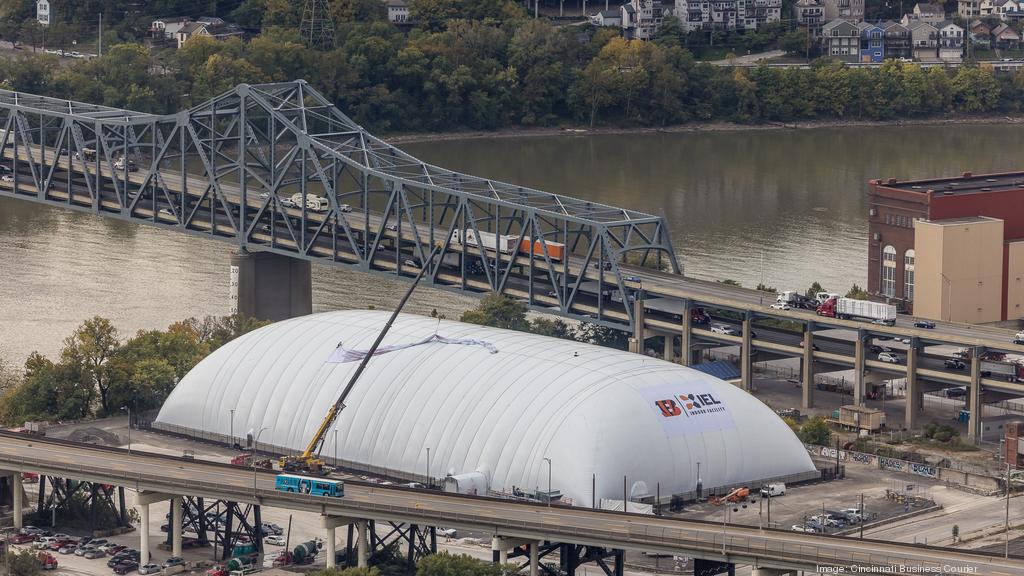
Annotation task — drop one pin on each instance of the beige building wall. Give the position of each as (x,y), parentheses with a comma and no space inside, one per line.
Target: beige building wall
(959,269)
(1015,280)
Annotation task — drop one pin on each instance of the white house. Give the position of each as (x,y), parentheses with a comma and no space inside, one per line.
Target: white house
(951,42)
(398,11)
(168,27)
(640,18)
(43,12)
(607,18)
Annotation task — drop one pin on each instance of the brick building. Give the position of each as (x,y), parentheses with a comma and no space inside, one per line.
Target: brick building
(910,222)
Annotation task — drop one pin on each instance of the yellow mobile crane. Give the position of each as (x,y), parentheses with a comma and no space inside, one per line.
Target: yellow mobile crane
(309,461)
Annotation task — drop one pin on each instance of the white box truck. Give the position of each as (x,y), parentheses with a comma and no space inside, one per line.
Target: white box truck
(498,243)
(863,309)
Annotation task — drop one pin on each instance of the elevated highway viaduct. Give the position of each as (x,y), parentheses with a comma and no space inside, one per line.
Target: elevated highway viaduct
(772,551)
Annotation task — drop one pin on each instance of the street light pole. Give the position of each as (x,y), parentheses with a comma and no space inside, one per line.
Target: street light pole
(255,448)
(548,460)
(129,409)
(231,438)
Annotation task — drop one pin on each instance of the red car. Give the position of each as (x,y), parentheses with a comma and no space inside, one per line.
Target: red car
(22,538)
(113,550)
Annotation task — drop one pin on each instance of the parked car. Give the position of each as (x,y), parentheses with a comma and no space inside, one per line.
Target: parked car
(174,561)
(889,357)
(924,324)
(779,306)
(94,554)
(447,532)
(854,514)
(272,529)
(34,530)
(955,364)
(150,569)
(82,549)
(274,540)
(116,549)
(68,549)
(22,538)
(41,542)
(126,566)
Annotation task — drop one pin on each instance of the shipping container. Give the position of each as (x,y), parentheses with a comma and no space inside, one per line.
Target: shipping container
(556,250)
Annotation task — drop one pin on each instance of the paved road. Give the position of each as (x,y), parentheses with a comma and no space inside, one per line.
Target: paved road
(508,518)
(750,58)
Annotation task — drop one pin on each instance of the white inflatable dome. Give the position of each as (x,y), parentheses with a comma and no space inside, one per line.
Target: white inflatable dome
(488,401)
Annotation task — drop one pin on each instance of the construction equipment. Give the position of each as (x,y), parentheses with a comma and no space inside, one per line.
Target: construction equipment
(737,495)
(309,461)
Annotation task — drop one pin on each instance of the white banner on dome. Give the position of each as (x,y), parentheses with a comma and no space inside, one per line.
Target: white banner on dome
(690,408)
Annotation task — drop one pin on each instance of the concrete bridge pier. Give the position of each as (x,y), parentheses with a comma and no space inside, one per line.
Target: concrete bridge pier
(685,348)
(974,405)
(914,397)
(807,369)
(18,494)
(746,355)
(859,369)
(363,549)
(270,286)
(636,343)
(143,500)
(534,559)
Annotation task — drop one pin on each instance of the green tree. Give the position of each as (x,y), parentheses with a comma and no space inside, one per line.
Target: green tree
(796,41)
(22,563)
(812,292)
(816,431)
(857,293)
(432,15)
(729,282)
(765,288)
(956,532)
(447,564)
(498,311)
(552,327)
(591,333)
(87,350)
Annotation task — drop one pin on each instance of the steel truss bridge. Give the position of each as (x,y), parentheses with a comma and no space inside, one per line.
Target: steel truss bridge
(228,168)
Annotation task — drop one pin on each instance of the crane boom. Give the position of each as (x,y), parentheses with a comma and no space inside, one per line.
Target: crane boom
(310,457)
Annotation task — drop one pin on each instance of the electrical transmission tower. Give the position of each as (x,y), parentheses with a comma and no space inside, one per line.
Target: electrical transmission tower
(317,26)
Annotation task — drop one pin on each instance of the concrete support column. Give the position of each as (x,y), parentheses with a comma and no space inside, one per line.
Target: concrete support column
(534,560)
(19,504)
(807,369)
(858,369)
(499,549)
(271,286)
(974,398)
(636,344)
(331,548)
(910,416)
(669,351)
(363,550)
(746,361)
(685,353)
(143,531)
(176,514)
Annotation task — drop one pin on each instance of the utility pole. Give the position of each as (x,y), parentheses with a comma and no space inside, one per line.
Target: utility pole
(863,517)
(1006,551)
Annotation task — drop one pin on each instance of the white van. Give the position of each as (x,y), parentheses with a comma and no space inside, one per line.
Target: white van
(772,490)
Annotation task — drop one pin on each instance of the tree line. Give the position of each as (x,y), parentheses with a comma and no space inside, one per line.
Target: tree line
(483,64)
(97,373)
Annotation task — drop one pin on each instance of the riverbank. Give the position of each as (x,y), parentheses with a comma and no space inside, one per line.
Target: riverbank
(417,137)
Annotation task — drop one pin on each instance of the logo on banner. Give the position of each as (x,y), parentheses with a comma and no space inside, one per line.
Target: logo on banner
(690,405)
(688,408)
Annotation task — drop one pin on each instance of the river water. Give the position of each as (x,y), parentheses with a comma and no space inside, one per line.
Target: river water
(788,206)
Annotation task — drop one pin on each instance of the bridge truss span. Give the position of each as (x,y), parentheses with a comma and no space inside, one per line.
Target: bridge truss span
(278,168)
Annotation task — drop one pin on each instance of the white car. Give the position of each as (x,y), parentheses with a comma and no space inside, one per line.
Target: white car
(724,329)
(448,532)
(274,540)
(802,528)
(344,208)
(150,569)
(7,178)
(889,357)
(286,202)
(780,306)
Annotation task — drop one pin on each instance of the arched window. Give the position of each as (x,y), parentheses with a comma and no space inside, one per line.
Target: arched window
(889,271)
(908,274)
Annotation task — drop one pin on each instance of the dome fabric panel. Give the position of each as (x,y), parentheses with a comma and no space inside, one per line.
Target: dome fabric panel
(598,414)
